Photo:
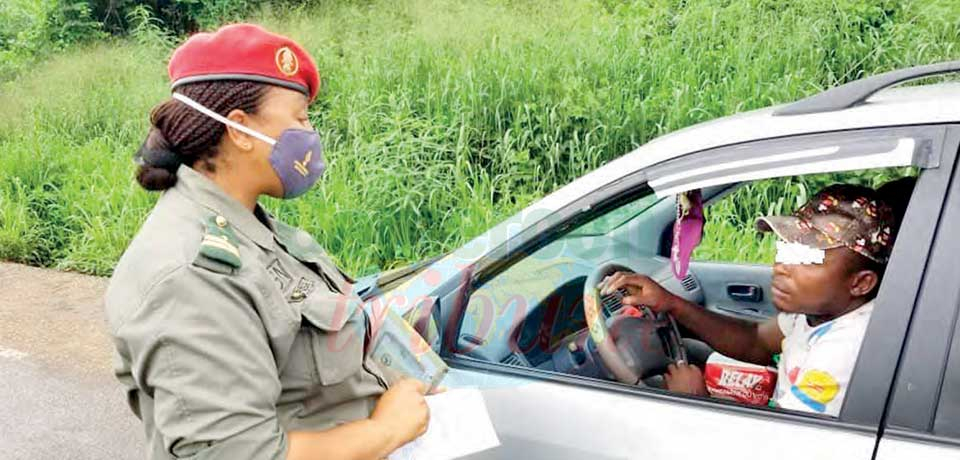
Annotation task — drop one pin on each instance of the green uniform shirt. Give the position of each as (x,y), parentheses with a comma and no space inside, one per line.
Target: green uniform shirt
(231,330)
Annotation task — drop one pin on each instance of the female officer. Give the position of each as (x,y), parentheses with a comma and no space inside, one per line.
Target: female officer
(236,335)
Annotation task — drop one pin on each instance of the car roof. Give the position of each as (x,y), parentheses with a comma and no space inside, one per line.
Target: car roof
(913,105)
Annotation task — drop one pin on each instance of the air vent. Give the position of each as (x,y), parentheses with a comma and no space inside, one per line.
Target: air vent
(612,301)
(515,359)
(689,283)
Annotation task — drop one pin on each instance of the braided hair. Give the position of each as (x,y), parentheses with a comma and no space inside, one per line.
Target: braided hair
(181,135)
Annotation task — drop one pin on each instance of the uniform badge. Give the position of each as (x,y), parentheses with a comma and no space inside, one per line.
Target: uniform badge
(287,61)
(279,274)
(303,289)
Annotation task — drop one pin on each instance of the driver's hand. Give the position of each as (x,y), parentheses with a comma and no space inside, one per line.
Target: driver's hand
(641,291)
(685,378)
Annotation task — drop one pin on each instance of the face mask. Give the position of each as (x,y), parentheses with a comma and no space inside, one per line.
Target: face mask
(297,157)
(798,254)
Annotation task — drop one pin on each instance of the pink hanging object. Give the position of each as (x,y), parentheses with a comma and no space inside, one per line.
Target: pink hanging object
(687,231)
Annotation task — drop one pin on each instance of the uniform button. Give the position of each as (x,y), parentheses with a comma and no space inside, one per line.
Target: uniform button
(221,221)
(297,296)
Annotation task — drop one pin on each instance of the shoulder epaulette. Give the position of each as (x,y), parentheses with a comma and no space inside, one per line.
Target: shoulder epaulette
(219,249)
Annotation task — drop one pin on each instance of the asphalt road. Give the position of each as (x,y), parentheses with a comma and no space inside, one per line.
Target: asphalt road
(58,397)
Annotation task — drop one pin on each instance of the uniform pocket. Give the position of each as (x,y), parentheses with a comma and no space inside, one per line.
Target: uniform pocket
(336,331)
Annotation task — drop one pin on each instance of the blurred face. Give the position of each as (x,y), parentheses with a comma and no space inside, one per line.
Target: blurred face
(280,109)
(827,289)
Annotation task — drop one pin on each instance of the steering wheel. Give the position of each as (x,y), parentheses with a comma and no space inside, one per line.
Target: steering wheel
(631,348)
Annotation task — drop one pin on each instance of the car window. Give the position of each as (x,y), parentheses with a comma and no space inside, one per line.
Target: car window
(522,313)
(733,267)
(528,314)
(729,234)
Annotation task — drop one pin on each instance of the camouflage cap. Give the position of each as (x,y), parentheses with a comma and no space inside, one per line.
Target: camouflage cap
(839,215)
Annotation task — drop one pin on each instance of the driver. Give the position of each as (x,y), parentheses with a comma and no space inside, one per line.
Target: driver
(830,260)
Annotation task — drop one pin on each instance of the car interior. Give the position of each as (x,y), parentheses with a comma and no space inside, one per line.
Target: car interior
(532,314)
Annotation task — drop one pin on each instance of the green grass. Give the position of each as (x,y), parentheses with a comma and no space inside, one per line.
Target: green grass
(440,118)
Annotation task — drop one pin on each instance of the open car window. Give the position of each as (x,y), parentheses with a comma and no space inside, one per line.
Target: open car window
(529,314)
(730,234)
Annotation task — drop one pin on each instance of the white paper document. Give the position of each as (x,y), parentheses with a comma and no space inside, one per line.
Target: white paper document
(459,426)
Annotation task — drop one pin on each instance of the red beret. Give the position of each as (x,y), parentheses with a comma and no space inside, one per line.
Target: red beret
(244,52)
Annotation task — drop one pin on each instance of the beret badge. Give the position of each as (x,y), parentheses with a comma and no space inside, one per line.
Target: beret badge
(287,61)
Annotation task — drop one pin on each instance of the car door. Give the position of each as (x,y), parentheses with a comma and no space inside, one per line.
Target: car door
(737,290)
(543,414)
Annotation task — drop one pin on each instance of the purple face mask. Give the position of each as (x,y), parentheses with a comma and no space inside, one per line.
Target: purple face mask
(296,158)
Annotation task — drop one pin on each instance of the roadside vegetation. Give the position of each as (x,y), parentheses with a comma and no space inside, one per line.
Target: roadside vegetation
(440,118)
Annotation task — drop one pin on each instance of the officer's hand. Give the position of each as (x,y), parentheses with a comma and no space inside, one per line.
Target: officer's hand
(641,290)
(685,378)
(403,411)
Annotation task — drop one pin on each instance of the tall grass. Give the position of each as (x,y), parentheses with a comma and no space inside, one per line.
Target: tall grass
(441,117)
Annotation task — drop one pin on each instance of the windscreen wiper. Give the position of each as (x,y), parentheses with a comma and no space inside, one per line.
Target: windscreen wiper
(387,280)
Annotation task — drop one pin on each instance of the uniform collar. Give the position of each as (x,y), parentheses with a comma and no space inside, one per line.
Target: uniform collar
(203,191)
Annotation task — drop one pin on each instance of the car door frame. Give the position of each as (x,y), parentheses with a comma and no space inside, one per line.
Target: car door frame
(910,420)
(867,396)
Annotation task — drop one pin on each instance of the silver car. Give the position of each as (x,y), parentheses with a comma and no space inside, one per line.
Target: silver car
(506,311)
